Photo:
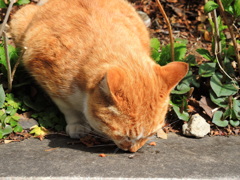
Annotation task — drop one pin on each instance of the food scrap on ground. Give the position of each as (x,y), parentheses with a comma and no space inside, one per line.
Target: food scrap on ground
(152,143)
(102,155)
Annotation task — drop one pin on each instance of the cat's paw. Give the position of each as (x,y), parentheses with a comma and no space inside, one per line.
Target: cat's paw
(76,131)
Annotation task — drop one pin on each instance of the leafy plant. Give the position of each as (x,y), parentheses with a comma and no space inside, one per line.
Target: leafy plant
(8,118)
(216,75)
(18,2)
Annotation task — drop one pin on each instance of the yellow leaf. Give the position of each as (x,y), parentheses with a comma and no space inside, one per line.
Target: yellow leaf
(39,131)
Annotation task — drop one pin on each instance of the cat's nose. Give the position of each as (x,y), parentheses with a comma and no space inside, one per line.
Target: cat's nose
(137,145)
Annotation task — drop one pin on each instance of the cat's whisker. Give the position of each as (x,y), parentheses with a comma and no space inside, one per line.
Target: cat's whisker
(94,133)
(103,145)
(171,123)
(116,150)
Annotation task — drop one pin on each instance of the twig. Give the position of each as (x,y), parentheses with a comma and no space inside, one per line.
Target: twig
(218,46)
(230,28)
(169,29)
(9,71)
(6,17)
(18,62)
(217,42)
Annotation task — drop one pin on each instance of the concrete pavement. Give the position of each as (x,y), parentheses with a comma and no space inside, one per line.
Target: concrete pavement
(177,157)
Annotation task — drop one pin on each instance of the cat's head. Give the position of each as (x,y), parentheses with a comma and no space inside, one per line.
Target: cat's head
(130,107)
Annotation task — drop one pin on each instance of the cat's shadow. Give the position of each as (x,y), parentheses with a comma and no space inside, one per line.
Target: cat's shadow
(63,141)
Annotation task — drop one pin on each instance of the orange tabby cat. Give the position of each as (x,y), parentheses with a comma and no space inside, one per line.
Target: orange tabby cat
(93,58)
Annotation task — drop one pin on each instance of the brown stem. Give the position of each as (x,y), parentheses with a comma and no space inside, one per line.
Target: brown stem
(18,62)
(230,28)
(6,16)
(8,62)
(169,28)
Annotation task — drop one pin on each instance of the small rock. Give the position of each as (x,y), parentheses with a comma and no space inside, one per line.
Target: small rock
(27,123)
(197,126)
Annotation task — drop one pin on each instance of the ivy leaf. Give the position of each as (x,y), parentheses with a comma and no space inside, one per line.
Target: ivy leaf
(226,3)
(2,4)
(205,53)
(2,96)
(207,69)
(220,89)
(234,123)
(22,2)
(236,108)
(180,50)
(181,89)
(7,130)
(155,46)
(220,101)
(217,119)
(18,129)
(210,6)
(237,8)
(183,116)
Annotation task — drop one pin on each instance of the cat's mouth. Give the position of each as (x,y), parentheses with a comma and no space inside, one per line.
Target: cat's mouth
(131,146)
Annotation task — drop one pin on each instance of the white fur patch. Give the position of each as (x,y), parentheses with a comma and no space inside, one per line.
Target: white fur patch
(42,2)
(114,110)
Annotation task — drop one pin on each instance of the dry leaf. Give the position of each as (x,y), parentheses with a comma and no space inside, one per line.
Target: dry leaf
(161,134)
(207,105)
(9,141)
(207,36)
(47,150)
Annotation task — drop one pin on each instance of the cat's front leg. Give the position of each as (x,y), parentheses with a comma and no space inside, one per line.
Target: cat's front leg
(76,122)
(76,128)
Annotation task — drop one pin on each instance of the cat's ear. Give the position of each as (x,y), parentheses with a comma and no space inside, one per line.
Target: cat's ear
(172,73)
(112,81)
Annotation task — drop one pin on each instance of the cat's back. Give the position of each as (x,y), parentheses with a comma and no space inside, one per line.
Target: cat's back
(79,40)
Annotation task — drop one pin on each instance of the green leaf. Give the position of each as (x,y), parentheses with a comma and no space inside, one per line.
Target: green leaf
(220,89)
(220,101)
(191,60)
(2,96)
(22,2)
(155,44)
(217,119)
(210,6)
(234,123)
(205,53)
(207,69)
(183,116)
(2,4)
(230,10)
(236,7)
(182,88)
(180,50)
(226,3)
(3,57)
(236,108)
(7,130)
(18,129)
(13,122)
(165,56)
(228,66)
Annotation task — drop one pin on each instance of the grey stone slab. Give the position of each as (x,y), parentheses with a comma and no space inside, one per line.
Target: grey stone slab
(176,157)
